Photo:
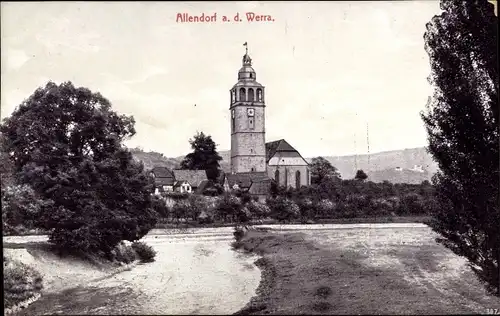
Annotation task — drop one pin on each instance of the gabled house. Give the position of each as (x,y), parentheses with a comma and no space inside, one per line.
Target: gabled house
(163,179)
(182,187)
(192,177)
(255,183)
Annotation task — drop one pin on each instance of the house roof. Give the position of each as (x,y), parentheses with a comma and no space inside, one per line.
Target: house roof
(203,185)
(164,181)
(162,172)
(278,146)
(179,183)
(194,177)
(245,180)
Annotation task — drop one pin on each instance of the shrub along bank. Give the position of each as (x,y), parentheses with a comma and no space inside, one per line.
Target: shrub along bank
(20,282)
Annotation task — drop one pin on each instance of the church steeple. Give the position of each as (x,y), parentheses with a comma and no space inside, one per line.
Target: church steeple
(247,106)
(246,73)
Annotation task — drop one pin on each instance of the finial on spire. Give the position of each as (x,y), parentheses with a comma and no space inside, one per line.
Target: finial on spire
(247,61)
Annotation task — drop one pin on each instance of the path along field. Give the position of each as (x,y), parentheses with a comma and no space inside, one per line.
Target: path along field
(362,269)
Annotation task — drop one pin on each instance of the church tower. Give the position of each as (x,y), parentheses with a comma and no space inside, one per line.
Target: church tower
(247,107)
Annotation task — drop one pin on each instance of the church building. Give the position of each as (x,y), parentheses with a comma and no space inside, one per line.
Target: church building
(253,161)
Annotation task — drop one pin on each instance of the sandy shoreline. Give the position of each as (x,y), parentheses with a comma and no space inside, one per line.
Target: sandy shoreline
(189,276)
(299,276)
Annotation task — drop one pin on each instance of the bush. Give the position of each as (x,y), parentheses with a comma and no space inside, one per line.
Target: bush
(238,233)
(258,210)
(283,209)
(124,253)
(228,206)
(411,204)
(196,204)
(325,208)
(245,197)
(21,282)
(381,207)
(205,218)
(160,207)
(307,210)
(145,252)
(244,215)
(215,189)
(180,209)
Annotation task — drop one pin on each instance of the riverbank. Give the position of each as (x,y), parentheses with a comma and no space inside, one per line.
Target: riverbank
(303,276)
(191,275)
(357,220)
(195,224)
(56,273)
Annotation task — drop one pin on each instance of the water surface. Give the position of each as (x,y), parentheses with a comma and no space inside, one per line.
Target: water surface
(194,273)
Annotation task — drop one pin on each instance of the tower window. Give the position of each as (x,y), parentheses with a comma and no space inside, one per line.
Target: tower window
(250,123)
(232,120)
(277,176)
(251,75)
(233,96)
(259,95)
(251,95)
(253,169)
(243,96)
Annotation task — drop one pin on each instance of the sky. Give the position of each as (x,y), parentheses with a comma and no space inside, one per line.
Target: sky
(335,72)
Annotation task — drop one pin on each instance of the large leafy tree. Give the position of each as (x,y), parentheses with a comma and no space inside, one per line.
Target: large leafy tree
(66,142)
(203,157)
(321,169)
(463,132)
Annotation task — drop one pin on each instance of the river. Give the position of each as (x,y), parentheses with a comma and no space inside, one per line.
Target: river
(195,272)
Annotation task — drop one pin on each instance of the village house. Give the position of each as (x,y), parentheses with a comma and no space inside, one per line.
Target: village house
(163,178)
(256,184)
(188,181)
(181,181)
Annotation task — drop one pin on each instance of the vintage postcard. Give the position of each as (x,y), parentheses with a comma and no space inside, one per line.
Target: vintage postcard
(250,157)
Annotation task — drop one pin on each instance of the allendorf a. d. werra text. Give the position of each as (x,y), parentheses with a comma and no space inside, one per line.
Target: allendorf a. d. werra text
(204,18)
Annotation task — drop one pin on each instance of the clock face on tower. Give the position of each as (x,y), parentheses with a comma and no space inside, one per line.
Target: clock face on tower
(250,112)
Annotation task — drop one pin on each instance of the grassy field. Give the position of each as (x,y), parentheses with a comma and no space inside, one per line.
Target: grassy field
(362,271)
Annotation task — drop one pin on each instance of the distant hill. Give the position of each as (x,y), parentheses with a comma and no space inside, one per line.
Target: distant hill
(397,166)
(399,176)
(382,166)
(153,159)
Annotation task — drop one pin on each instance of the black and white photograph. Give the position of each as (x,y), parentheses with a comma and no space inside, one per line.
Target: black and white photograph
(250,157)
